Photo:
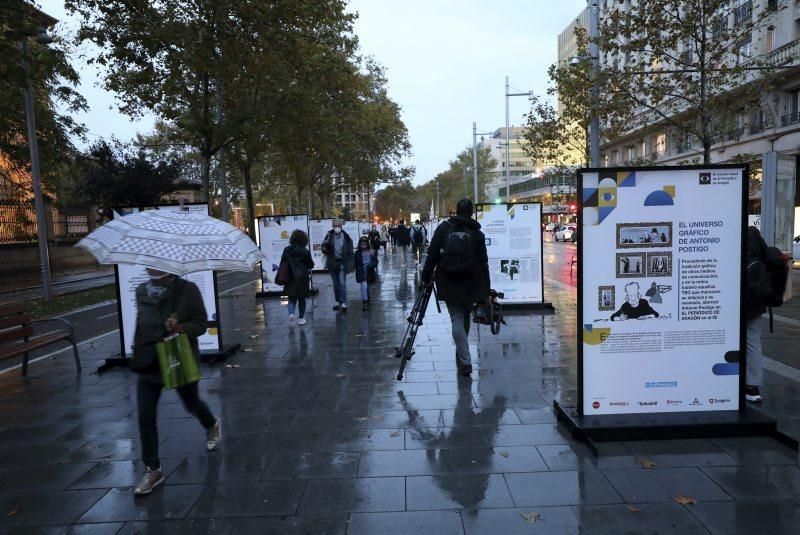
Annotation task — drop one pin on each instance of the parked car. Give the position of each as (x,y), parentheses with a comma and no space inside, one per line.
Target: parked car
(565,233)
(550,227)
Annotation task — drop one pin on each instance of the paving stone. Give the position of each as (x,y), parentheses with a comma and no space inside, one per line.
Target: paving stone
(165,503)
(285,465)
(457,492)
(353,495)
(46,508)
(294,525)
(406,523)
(748,516)
(638,518)
(246,498)
(664,484)
(404,463)
(558,520)
(561,488)
(756,482)
(496,460)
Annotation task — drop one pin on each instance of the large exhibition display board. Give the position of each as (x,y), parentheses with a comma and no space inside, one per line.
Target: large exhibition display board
(660,315)
(273,237)
(514,244)
(353,229)
(129,277)
(317,229)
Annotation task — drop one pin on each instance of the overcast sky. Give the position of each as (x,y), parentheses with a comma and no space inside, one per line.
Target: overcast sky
(446,61)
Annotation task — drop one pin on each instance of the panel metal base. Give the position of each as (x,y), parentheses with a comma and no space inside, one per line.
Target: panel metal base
(663,426)
(209,357)
(273,295)
(544,305)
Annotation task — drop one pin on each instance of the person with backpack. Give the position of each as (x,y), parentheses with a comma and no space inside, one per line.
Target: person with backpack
(166,305)
(366,269)
(419,237)
(457,254)
(337,246)
(402,237)
(374,238)
(767,270)
(300,263)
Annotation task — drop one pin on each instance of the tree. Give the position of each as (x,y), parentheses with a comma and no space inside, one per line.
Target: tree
(55,99)
(687,65)
(116,175)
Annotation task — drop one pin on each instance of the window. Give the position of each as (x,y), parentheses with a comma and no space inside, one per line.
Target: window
(744,51)
(769,40)
(642,148)
(630,153)
(742,12)
(613,157)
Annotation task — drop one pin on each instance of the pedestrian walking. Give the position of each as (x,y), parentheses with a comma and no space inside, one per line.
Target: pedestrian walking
(374,238)
(758,290)
(458,254)
(166,305)
(393,237)
(403,239)
(366,262)
(297,255)
(337,246)
(419,237)
(385,239)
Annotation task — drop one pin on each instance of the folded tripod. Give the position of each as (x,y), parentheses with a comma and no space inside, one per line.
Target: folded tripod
(406,349)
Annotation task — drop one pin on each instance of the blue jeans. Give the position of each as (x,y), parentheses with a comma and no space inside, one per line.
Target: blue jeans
(338,275)
(301,302)
(364,291)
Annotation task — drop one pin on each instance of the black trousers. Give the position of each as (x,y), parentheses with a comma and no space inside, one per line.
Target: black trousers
(148,392)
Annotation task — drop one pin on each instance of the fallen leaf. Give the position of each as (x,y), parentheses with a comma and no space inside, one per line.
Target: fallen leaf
(646,463)
(236,330)
(504,453)
(231,365)
(633,509)
(394,434)
(361,419)
(247,349)
(339,375)
(685,500)
(531,518)
(253,336)
(14,511)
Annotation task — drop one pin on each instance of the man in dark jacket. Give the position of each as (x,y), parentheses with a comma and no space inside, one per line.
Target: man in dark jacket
(338,250)
(402,236)
(166,305)
(459,291)
(754,308)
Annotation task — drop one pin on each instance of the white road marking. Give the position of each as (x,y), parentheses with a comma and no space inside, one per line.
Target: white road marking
(237,287)
(88,307)
(107,315)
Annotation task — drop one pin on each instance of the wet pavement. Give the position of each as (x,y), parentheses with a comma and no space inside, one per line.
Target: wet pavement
(319,437)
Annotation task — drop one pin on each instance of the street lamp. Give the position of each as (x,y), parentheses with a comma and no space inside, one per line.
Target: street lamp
(43,38)
(475,135)
(529,94)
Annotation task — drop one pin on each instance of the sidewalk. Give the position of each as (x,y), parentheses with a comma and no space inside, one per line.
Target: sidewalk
(321,438)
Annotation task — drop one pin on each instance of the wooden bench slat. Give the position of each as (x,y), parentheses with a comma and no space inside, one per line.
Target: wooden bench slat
(13,308)
(14,320)
(14,335)
(41,341)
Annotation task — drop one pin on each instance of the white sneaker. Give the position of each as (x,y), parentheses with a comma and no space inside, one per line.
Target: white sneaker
(301,321)
(291,318)
(214,436)
(344,306)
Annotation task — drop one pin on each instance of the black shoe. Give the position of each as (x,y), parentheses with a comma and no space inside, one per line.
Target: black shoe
(337,306)
(751,393)
(466,370)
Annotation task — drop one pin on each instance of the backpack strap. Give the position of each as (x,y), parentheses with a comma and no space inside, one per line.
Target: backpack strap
(771,326)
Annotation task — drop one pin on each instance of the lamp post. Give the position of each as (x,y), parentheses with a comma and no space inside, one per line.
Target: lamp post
(529,94)
(475,135)
(38,198)
(594,52)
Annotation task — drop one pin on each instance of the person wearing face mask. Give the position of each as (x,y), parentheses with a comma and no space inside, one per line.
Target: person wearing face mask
(339,261)
(366,266)
(634,306)
(166,305)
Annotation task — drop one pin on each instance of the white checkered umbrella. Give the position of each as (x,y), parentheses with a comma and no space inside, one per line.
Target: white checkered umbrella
(175,242)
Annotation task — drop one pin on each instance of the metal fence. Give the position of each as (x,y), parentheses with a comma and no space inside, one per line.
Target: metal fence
(18,223)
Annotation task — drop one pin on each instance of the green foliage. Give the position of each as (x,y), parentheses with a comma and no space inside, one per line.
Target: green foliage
(55,99)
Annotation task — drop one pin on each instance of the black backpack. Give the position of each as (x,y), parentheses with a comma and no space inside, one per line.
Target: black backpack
(417,235)
(458,252)
(767,279)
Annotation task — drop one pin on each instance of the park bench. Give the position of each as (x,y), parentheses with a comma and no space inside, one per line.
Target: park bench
(17,335)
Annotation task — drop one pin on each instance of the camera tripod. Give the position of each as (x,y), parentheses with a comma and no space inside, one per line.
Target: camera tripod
(406,349)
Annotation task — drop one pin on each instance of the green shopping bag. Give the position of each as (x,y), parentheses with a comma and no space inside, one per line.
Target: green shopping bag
(177,362)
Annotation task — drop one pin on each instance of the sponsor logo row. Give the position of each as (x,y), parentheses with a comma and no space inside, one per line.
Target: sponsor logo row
(670,402)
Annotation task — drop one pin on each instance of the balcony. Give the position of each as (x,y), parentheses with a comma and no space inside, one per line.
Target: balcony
(792,118)
(680,148)
(784,55)
(743,14)
(756,127)
(657,155)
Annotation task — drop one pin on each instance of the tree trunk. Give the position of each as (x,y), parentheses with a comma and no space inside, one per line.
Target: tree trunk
(247,177)
(206,177)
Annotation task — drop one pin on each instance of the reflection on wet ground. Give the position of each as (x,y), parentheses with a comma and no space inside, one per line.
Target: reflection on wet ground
(320,438)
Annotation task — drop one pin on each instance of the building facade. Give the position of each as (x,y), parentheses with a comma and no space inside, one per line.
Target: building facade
(568,42)
(521,166)
(773,124)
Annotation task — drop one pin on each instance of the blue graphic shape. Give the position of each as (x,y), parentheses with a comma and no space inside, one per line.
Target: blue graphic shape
(726,368)
(603,212)
(588,327)
(214,316)
(659,198)
(588,192)
(274,267)
(627,182)
(608,196)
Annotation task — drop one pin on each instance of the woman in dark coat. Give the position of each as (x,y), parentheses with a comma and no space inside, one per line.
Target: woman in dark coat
(300,266)
(366,265)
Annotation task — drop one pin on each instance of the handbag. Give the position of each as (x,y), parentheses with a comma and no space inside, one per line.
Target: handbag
(177,362)
(284,274)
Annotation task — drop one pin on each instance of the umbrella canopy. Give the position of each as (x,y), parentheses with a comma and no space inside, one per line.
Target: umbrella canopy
(175,242)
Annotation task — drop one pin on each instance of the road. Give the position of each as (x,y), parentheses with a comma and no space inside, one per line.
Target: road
(557,258)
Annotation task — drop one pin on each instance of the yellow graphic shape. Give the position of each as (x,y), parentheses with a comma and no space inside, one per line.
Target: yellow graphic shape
(606,197)
(285,235)
(670,191)
(212,331)
(596,335)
